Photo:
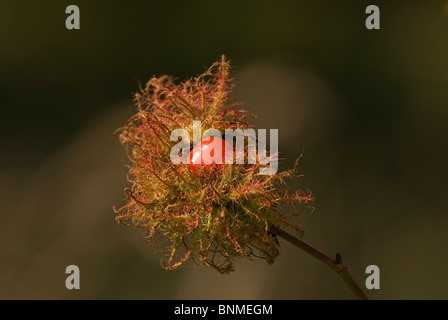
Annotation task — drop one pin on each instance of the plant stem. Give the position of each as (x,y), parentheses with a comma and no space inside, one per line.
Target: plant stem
(335,264)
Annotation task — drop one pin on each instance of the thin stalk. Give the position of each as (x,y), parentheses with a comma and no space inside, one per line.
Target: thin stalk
(336,264)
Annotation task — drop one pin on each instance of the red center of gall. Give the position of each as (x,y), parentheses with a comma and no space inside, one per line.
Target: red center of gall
(206,153)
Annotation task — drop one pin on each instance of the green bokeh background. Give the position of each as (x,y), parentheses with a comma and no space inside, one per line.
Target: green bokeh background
(369,109)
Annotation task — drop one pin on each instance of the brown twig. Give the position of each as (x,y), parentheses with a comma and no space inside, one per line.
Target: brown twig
(335,264)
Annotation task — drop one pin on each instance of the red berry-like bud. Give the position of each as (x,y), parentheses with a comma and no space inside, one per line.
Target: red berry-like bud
(210,152)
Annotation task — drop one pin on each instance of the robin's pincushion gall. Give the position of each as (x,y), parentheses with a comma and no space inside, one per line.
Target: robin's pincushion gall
(211,214)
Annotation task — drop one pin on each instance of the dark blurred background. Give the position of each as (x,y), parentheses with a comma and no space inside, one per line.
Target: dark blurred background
(369,109)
